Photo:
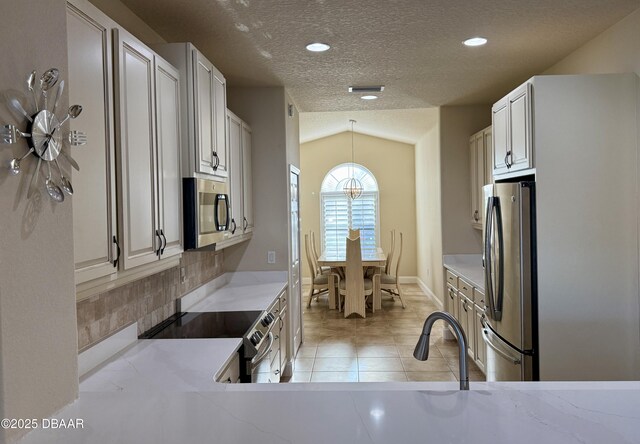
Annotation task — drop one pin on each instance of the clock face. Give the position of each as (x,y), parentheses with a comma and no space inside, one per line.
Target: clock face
(46,137)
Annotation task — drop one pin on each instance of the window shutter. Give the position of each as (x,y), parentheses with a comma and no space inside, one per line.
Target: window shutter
(339,213)
(335,211)
(363,216)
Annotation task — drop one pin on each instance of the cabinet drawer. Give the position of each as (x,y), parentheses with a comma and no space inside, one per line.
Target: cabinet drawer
(452,279)
(478,298)
(465,288)
(231,374)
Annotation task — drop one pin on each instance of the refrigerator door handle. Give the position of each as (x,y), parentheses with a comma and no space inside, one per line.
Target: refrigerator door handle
(488,339)
(488,260)
(500,297)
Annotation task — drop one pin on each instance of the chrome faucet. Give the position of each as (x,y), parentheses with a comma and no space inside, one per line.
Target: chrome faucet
(421,353)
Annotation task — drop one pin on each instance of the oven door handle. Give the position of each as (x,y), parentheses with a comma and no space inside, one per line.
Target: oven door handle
(261,357)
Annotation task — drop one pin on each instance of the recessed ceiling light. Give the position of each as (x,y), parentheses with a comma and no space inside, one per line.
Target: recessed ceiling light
(369,97)
(317,47)
(475,41)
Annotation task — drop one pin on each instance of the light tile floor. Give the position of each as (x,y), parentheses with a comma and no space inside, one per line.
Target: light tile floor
(375,349)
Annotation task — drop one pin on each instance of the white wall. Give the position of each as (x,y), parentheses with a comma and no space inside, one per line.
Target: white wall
(264,109)
(617,50)
(428,208)
(38,339)
(392,164)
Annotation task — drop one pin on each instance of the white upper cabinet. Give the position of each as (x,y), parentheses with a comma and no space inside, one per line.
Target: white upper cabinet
(148,135)
(94,198)
(240,176)
(203,109)
(168,152)
(480,155)
(247,180)
(234,128)
(137,154)
(512,132)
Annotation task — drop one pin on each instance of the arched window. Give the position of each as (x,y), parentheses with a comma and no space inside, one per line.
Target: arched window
(339,212)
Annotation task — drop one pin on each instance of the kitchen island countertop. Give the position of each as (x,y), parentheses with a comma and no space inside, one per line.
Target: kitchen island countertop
(405,413)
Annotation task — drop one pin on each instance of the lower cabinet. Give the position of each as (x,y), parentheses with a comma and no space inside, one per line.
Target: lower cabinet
(231,373)
(466,304)
(466,319)
(480,347)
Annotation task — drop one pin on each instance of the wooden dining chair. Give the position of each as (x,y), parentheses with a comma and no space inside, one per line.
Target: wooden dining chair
(391,283)
(354,287)
(354,233)
(387,266)
(319,282)
(314,252)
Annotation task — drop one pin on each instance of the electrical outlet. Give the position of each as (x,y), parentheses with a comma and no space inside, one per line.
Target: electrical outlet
(183,275)
(271,257)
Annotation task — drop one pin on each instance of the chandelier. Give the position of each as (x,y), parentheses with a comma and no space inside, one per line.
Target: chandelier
(352,187)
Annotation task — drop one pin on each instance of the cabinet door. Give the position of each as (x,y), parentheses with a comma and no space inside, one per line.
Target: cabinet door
(473,152)
(234,129)
(136,148)
(477,178)
(481,347)
(284,337)
(488,158)
(247,181)
(168,152)
(451,301)
(499,123)
(90,83)
(204,113)
(220,125)
(466,320)
(520,128)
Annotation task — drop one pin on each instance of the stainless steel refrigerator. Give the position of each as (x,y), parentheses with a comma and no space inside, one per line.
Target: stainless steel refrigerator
(509,324)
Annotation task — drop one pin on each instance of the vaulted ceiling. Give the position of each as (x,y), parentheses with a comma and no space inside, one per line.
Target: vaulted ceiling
(413,47)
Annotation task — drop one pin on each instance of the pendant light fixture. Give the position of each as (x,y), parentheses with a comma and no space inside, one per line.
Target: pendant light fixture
(352,187)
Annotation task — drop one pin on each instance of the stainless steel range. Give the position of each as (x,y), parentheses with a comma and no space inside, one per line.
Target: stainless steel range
(259,342)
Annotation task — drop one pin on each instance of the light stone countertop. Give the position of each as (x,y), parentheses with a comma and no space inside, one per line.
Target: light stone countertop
(467,266)
(158,365)
(491,413)
(241,291)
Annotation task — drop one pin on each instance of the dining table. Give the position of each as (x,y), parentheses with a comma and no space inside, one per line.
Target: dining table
(371,259)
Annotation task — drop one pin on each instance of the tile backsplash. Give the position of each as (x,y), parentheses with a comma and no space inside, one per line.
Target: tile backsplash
(148,300)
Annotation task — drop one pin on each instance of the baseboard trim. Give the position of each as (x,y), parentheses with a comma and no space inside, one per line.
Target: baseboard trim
(429,293)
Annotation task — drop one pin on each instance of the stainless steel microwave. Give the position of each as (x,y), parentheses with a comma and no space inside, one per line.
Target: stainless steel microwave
(206,212)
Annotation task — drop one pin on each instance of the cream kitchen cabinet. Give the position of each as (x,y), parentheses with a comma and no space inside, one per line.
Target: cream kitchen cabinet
(480,347)
(203,108)
(247,180)
(148,135)
(231,372)
(90,83)
(240,175)
(466,318)
(512,132)
(480,155)
(466,304)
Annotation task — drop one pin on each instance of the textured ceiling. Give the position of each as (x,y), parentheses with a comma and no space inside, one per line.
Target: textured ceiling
(402,125)
(413,47)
